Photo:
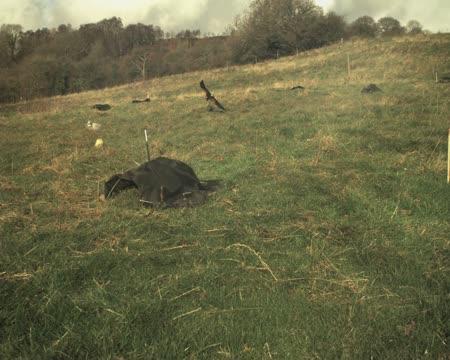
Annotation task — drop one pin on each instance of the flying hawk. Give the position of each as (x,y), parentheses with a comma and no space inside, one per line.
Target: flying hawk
(210,97)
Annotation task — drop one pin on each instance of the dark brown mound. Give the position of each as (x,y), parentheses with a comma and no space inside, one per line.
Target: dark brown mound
(444,79)
(102,107)
(369,89)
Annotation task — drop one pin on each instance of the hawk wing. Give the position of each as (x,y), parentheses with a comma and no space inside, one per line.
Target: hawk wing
(218,104)
(205,89)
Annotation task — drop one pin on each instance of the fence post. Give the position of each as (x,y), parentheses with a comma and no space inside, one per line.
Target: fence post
(448,159)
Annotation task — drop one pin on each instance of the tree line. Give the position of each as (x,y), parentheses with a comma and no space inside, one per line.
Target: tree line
(59,61)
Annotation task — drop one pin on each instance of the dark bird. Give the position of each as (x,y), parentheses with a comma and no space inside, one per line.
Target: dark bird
(444,79)
(210,97)
(102,107)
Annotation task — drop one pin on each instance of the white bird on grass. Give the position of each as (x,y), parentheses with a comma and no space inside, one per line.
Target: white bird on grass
(99,143)
(93,126)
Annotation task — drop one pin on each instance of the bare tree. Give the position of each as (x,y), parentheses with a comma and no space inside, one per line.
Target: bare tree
(11,35)
(140,62)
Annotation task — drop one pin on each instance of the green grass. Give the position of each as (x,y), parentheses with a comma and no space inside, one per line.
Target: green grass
(329,238)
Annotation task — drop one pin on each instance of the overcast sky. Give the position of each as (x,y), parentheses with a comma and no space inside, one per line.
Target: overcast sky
(207,15)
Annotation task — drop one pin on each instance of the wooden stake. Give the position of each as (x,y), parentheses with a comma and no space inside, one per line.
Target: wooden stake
(436,77)
(146,145)
(448,158)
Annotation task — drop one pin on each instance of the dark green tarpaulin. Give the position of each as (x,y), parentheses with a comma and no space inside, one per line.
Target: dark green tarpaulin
(162,182)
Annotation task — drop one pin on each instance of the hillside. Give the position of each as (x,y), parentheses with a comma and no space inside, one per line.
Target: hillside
(328,239)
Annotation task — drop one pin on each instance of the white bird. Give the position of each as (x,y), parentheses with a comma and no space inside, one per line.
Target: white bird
(99,143)
(93,126)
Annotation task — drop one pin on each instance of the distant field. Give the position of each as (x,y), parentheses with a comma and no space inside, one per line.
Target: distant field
(329,238)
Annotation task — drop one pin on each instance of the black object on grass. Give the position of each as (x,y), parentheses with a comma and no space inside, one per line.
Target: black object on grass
(369,89)
(146,145)
(102,107)
(163,182)
(444,79)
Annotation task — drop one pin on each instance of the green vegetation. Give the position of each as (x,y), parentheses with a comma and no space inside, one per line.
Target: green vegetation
(329,238)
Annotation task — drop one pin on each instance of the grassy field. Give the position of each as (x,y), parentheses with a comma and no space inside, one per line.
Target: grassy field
(328,239)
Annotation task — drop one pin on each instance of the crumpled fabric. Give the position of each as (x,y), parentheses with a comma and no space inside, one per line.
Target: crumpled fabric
(163,182)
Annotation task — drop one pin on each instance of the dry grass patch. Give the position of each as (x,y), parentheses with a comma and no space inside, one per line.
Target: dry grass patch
(23,276)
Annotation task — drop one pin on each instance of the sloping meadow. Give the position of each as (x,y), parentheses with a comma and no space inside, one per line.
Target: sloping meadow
(329,237)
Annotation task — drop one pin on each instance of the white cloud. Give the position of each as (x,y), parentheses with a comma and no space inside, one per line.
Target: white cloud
(208,15)
(326,4)
(433,14)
